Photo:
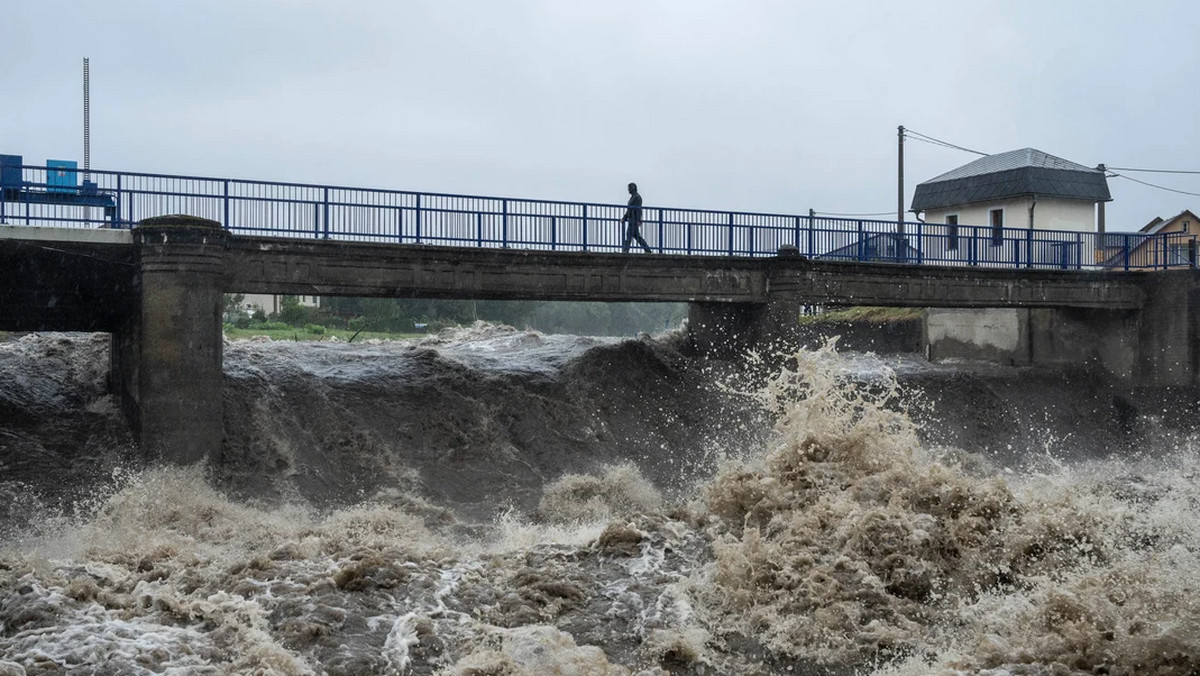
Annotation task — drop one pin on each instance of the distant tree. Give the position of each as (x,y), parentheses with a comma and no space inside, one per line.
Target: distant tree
(291,312)
(231,309)
(383,314)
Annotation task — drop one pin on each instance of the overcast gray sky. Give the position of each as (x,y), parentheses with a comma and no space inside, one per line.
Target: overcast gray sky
(749,106)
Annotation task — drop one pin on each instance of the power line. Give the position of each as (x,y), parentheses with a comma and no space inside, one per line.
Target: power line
(1152,185)
(939,142)
(1157,171)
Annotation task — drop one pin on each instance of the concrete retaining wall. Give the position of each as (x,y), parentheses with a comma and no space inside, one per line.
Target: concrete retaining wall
(997,335)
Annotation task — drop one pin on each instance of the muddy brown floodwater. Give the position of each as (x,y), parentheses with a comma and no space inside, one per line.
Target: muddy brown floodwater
(499,502)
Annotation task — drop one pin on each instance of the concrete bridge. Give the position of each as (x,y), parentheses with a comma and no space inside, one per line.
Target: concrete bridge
(157,289)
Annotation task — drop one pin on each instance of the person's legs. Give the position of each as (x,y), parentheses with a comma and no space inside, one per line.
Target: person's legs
(630,233)
(642,240)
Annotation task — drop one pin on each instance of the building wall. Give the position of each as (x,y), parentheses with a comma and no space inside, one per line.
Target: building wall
(273,303)
(1049,214)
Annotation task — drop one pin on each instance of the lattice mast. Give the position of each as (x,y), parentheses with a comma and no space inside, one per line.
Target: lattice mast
(87,122)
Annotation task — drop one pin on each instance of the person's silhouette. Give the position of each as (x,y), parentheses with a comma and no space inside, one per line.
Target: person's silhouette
(633,219)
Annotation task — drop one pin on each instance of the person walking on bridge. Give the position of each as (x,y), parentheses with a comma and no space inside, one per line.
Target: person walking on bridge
(633,218)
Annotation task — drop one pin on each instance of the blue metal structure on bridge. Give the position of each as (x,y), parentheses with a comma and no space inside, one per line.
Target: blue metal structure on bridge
(49,196)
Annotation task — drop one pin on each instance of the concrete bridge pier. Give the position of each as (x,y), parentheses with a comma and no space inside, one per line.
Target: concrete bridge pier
(723,329)
(166,356)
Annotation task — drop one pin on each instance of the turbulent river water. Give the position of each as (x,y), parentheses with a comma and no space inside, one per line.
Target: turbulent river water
(491,502)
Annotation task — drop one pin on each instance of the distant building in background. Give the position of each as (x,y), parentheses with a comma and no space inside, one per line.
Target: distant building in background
(1176,249)
(1024,188)
(272,304)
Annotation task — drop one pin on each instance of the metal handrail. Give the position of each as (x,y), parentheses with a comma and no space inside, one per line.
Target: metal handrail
(248,206)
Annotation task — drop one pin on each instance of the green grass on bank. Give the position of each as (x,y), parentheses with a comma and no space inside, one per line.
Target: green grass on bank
(865,313)
(319,333)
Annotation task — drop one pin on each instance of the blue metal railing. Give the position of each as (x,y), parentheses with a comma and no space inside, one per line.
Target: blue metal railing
(121,199)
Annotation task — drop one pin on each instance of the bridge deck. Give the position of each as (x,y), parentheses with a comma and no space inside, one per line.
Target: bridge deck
(48,282)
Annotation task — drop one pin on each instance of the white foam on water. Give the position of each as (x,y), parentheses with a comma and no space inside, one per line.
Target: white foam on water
(401,637)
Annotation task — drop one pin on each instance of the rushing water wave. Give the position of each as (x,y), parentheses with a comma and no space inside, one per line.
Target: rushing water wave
(494,502)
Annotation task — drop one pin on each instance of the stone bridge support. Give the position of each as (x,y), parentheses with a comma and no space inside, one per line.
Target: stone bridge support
(1168,330)
(166,355)
(727,330)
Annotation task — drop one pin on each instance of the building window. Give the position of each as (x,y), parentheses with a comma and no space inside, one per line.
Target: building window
(952,232)
(996,218)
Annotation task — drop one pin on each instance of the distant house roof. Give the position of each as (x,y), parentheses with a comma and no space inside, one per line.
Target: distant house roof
(1012,174)
(1159,224)
(1153,226)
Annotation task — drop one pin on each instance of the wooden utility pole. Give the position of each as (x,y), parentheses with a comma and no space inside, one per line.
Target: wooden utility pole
(900,182)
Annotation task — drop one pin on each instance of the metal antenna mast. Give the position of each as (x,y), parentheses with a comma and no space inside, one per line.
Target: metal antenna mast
(87,122)
(900,181)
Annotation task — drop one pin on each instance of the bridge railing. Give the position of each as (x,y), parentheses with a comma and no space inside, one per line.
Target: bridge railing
(121,199)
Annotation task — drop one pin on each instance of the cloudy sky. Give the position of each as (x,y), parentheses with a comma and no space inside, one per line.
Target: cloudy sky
(750,106)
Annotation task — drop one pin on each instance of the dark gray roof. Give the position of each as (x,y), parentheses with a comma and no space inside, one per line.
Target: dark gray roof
(1012,174)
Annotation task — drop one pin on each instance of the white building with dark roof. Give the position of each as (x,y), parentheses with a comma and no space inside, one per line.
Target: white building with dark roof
(1024,188)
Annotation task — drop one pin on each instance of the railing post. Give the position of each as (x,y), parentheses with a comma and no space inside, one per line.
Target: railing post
(553,233)
(479,229)
(660,231)
(117,207)
(812,225)
(504,225)
(920,243)
(731,233)
(1079,251)
(796,232)
(225,222)
(585,228)
(859,257)
(1029,248)
(325,214)
(688,237)
(132,203)
(418,224)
